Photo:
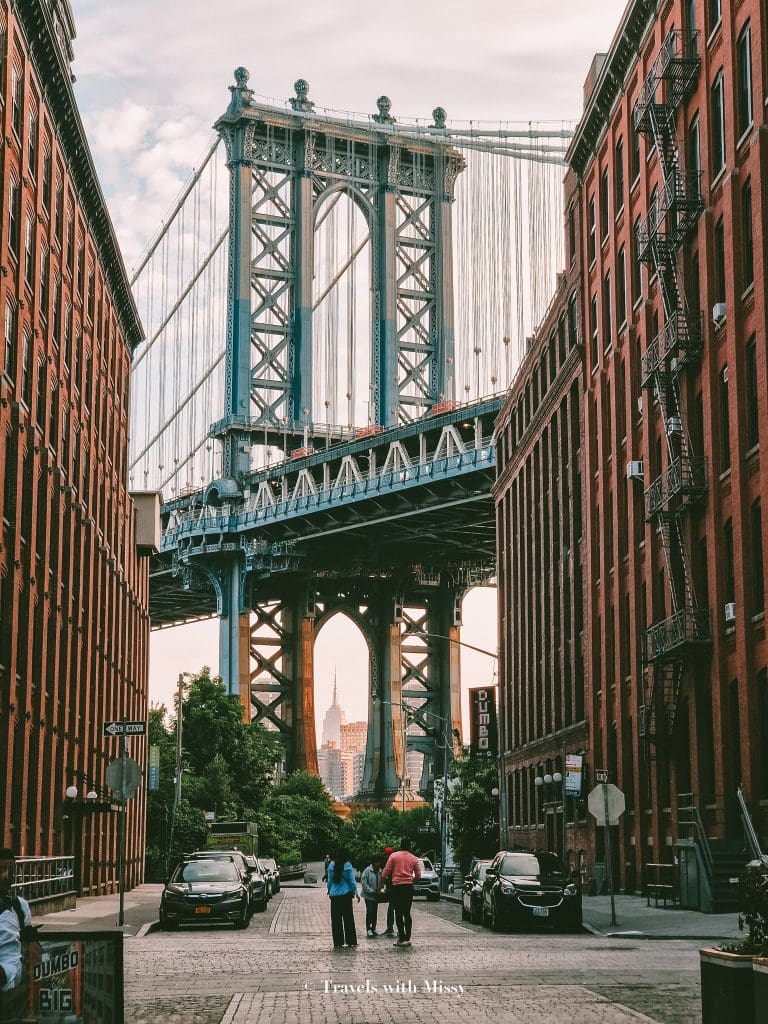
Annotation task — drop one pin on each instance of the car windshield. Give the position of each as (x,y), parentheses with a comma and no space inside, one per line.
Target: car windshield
(426,865)
(206,871)
(531,865)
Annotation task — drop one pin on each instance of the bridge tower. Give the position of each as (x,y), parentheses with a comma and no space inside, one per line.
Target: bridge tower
(284,165)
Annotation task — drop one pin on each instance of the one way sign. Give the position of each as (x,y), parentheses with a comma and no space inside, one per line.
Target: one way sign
(125,728)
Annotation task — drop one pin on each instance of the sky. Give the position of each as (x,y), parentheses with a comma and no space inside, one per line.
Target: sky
(152,76)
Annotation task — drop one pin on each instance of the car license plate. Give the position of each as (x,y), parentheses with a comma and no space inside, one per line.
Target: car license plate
(202,910)
(541,911)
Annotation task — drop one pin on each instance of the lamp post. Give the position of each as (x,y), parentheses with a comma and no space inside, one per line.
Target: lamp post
(556,779)
(501,722)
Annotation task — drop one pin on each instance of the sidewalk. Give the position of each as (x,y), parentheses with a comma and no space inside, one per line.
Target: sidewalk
(637,920)
(96,912)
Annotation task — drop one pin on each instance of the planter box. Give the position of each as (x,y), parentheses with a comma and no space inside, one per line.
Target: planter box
(727,990)
(760,980)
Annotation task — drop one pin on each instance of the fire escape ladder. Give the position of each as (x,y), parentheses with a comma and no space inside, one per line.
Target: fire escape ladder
(672,642)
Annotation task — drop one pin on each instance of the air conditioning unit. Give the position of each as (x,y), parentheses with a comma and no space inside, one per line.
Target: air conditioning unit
(718,313)
(730,613)
(634,471)
(640,406)
(674,364)
(674,426)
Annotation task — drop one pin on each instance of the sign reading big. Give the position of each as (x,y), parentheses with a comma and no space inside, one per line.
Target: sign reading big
(482,717)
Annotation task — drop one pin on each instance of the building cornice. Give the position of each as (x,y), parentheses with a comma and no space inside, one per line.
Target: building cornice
(624,51)
(36,22)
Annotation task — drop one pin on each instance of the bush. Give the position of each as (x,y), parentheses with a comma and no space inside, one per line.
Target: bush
(753,910)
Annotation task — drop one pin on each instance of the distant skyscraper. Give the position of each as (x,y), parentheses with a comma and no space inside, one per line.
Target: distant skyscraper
(333,721)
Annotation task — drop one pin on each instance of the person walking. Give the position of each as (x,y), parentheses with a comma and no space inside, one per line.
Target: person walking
(403,869)
(326,862)
(369,883)
(385,886)
(15,920)
(342,886)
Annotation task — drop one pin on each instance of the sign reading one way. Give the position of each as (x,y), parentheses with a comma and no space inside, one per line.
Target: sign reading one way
(606,796)
(125,728)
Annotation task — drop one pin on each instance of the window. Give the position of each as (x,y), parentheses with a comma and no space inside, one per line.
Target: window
(762,746)
(47,178)
(725,430)
(604,225)
(719,261)
(718,125)
(29,252)
(59,225)
(758,577)
(592,227)
(572,234)
(637,279)
(634,157)
(14,217)
(747,242)
(16,102)
(10,330)
(729,580)
(40,391)
(694,146)
(44,283)
(690,19)
(593,332)
(26,367)
(70,242)
(715,14)
(91,293)
(56,324)
(607,325)
(573,325)
(621,286)
(32,144)
(744,81)
(618,175)
(750,359)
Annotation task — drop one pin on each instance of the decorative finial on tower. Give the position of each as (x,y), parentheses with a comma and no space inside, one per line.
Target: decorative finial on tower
(439,115)
(242,96)
(384,103)
(301,100)
(335,702)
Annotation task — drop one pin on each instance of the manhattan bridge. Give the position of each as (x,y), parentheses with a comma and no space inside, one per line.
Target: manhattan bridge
(334,309)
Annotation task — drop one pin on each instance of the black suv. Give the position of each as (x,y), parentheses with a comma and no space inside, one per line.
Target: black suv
(530,889)
(255,881)
(201,890)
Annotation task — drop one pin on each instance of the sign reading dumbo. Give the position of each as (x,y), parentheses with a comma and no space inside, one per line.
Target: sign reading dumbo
(482,717)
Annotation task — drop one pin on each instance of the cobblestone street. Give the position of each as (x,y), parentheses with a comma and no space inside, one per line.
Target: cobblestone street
(283,969)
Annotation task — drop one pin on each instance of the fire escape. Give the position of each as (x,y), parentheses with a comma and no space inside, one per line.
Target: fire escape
(672,642)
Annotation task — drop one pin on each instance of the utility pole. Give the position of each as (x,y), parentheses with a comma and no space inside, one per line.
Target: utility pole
(177,791)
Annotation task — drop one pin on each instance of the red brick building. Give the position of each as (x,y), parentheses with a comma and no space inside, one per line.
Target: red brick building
(671,159)
(538,497)
(74,627)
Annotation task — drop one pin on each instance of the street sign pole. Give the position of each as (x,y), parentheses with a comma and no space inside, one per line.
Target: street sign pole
(608,854)
(121,825)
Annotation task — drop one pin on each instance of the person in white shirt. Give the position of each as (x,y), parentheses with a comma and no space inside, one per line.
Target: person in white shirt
(369,883)
(15,916)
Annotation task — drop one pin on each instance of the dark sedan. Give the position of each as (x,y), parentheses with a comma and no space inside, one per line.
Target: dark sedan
(472,893)
(202,891)
(523,889)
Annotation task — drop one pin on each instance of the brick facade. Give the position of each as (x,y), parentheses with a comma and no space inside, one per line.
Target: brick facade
(667,198)
(74,626)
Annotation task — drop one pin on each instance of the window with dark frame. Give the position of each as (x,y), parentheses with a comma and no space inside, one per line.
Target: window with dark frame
(621,286)
(637,276)
(592,229)
(725,427)
(634,157)
(729,581)
(572,234)
(718,125)
(758,573)
(618,176)
(744,112)
(14,217)
(694,146)
(762,746)
(10,330)
(16,102)
(719,261)
(747,240)
(715,14)
(29,252)
(604,205)
(606,311)
(593,332)
(26,366)
(753,393)
(32,144)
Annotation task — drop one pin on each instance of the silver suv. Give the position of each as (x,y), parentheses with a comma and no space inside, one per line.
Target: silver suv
(429,883)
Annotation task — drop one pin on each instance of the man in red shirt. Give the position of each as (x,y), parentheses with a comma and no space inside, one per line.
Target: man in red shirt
(402,869)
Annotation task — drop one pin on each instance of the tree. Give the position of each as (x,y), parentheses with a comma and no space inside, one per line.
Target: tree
(474,809)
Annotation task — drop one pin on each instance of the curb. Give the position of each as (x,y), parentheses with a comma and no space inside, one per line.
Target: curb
(147,929)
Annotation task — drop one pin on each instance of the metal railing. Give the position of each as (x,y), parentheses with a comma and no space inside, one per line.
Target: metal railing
(749,829)
(687,627)
(40,878)
(681,335)
(689,820)
(685,477)
(677,64)
(661,883)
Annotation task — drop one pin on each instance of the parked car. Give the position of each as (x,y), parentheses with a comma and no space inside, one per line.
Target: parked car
(472,893)
(258,885)
(271,864)
(429,883)
(530,889)
(203,890)
(253,878)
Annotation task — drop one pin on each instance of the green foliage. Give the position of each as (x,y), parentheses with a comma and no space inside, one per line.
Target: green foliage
(474,809)
(753,908)
(227,768)
(372,831)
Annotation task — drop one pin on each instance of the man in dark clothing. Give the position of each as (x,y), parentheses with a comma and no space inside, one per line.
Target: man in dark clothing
(403,869)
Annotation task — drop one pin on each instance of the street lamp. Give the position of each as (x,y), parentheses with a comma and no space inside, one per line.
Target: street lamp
(501,725)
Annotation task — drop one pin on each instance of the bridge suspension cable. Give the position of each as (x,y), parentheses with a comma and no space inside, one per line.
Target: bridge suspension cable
(507,250)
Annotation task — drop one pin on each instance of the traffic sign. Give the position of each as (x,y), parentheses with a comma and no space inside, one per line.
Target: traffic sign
(606,798)
(122,728)
(123,776)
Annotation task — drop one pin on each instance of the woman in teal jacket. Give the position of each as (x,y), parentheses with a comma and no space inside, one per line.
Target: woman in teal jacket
(342,886)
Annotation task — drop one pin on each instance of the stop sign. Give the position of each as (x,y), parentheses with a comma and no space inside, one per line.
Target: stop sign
(616,803)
